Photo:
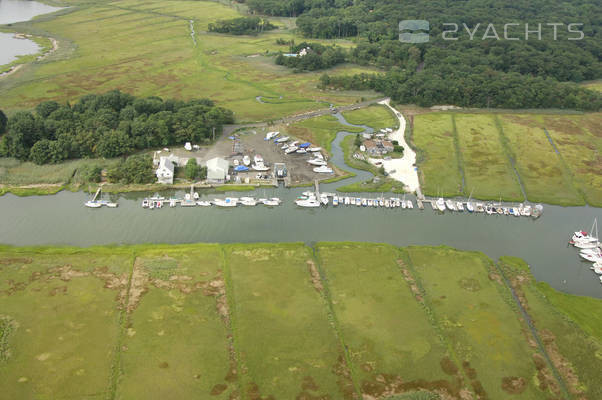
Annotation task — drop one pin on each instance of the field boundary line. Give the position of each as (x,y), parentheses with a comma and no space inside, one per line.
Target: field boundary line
(432,317)
(529,322)
(334,320)
(240,373)
(505,142)
(123,320)
(459,158)
(566,167)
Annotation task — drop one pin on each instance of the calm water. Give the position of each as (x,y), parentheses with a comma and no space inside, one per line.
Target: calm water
(12,11)
(62,219)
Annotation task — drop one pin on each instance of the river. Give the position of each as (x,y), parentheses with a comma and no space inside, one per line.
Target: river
(62,219)
(13,11)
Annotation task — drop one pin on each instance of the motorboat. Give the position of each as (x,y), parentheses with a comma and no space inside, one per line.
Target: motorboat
(410,204)
(248,201)
(398,202)
(145,203)
(323,170)
(172,202)
(352,201)
(227,202)
(246,160)
(271,135)
(346,200)
(203,203)
(489,209)
(195,195)
(324,199)
(290,149)
(526,211)
(284,147)
(301,151)
(499,210)
(274,201)
(318,162)
(506,210)
(314,149)
(358,201)
(450,205)
(282,139)
(93,204)
(260,167)
(537,211)
(111,204)
(295,143)
(335,201)
(586,245)
(364,202)
(459,206)
(310,203)
(470,207)
(440,204)
(403,205)
(258,159)
(369,202)
(480,207)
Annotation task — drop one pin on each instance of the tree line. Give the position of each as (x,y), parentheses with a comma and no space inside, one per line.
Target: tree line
(474,55)
(108,125)
(242,26)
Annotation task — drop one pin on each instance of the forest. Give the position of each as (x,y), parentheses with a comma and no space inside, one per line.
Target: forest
(241,26)
(108,125)
(417,72)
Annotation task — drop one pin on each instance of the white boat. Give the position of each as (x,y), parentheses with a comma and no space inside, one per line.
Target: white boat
(314,149)
(526,211)
(260,167)
(271,135)
(335,201)
(597,270)
(459,206)
(364,202)
(93,204)
(111,204)
(410,204)
(301,151)
(387,203)
(195,195)
(586,245)
(591,257)
(537,211)
(248,201)
(284,147)
(346,200)
(403,205)
(274,201)
(310,203)
(227,202)
(450,205)
(258,159)
(145,203)
(324,199)
(470,207)
(316,162)
(440,204)
(352,201)
(203,203)
(480,207)
(295,143)
(291,149)
(172,202)
(246,160)
(369,202)
(323,170)
(282,139)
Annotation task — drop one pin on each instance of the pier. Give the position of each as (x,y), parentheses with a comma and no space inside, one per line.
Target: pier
(317,188)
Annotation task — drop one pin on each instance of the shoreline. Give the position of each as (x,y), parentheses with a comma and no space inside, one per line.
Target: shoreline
(38,56)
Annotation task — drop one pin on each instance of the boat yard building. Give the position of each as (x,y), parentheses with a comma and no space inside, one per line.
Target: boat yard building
(378,147)
(217,170)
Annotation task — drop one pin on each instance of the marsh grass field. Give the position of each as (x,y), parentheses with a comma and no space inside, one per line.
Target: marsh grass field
(555,157)
(163,57)
(336,320)
(375,116)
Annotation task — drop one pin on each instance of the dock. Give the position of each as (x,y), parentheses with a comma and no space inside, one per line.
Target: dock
(317,188)
(419,198)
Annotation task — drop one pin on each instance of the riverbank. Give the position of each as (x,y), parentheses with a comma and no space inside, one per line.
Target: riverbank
(45,50)
(446,300)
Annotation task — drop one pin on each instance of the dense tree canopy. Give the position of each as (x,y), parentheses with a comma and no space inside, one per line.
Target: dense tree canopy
(3,121)
(474,56)
(135,169)
(318,57)
(242,26)
(108,125)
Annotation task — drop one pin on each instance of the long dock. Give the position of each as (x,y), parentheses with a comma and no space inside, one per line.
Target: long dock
(317,188)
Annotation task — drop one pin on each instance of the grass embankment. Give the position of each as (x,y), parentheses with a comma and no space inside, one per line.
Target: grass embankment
(375,116)
(233,70)
(278,320)
(563,168)
(27,179)
(320,131)
(44,46)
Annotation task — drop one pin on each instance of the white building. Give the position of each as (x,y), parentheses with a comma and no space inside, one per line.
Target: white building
(217,170)
(165,171)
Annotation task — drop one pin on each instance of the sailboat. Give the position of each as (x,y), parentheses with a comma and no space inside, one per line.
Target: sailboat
(469,204)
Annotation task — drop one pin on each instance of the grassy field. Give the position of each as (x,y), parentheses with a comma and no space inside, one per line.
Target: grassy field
(285,344)
(544,177)
(440,172)
(562,321)
(162,58)
(487,169)
(594,85)
(469,302)
(376,117)
(578,139)
(252,321)
(320,131)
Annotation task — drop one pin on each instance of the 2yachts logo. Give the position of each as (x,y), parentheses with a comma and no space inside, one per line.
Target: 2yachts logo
(417,31)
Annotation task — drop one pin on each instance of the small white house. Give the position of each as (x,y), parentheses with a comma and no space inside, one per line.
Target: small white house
(165,171)
(217,170)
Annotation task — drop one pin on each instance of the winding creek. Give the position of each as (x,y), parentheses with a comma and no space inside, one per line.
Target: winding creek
(62,219)
(13,11)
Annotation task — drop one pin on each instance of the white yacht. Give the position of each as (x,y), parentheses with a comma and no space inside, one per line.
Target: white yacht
(318,162)
(203,203)
(94,204)
(227,202)
(459,206)
(248,201)
(274,201)
(282,139)
(410,204)
(310,203)
(323,170)
(314,149)
(290,149)
(259,166)
(301,151)
(440,204)
(450,205)
(246,160)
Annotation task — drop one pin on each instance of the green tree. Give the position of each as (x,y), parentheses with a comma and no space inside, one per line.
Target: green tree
(192,169)
(3,122)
